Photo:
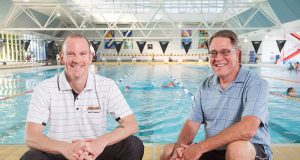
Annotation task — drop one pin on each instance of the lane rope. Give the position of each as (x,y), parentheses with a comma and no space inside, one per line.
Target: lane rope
(186,91)
(284,96)
(15,95)
(126,75)
(288,80)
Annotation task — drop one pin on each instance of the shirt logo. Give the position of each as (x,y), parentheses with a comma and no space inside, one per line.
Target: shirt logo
(93,109)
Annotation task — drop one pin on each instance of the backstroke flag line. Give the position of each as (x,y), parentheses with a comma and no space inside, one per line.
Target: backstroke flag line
(164,45)
(141,45)
(256,45)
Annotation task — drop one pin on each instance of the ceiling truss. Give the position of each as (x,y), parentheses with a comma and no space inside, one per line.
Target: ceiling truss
(159,20)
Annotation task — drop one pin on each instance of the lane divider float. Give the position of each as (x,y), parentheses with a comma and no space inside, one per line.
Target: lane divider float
(15,95)
(126,75)
(186,91)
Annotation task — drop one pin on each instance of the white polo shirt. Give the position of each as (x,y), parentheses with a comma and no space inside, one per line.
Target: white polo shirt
(53,103)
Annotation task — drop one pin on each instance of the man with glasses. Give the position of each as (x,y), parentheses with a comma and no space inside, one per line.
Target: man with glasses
(232,105)
(75,105)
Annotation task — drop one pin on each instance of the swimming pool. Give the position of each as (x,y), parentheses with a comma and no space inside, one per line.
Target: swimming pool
(159,111)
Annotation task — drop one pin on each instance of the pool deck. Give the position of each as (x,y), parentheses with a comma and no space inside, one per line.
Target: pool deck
(152,151)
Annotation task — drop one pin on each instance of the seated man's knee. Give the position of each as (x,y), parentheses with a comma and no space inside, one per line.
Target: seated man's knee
(240,150)
(134,145)
(166,152)
(33,154)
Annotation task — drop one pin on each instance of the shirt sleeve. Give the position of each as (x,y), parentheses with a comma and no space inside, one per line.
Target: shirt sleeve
(197,113)
(38,110)
(117,105)
(256,100)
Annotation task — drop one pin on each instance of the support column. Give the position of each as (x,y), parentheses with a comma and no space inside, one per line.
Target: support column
(12,51)
(20,48)
(7,47)
(3,47)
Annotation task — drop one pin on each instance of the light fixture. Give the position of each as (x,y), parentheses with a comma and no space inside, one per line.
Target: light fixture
(179,25)
(26,0)
(157,17)
(245,40)
(84,26)
(58,14)
(266,36)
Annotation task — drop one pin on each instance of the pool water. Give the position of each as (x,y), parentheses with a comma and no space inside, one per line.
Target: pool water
(160,112)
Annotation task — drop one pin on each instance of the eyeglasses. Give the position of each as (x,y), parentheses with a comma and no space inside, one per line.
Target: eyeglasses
(223,52)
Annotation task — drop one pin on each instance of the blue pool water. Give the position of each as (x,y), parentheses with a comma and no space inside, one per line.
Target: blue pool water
(159,111)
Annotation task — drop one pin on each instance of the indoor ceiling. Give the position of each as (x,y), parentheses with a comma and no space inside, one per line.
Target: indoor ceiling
(152,19)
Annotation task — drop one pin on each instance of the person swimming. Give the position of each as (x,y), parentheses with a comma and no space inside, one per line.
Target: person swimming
(170,84)
(127,88)
(291,92)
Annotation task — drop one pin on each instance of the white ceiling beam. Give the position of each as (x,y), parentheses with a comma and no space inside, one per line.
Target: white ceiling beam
(151,29)
(14,10)
(250,17)
(164,32)
(268,11)
(51,17)
(202,19)
(237,21)
(104,29)
(31,16)
(153,16)
(138,21)
(9,15)
(122,13)
(93,26)
(69,16)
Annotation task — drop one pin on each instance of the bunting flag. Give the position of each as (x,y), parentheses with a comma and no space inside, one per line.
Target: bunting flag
(141,45)
(280,44)
(186,46)
(164,45)
(256,45)
(95,45)
(26,45)
(118,45)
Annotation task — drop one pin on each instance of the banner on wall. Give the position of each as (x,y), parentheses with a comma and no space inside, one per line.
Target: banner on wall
(26,45)
(280,44)
(164,45)
(256,45)
(186,37)
(186,46)
(150,46)
(127,42)
(141,45)
(95,45)
(118,45)
(108,41)
(203,37)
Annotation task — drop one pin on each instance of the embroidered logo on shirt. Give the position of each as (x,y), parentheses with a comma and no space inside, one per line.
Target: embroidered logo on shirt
(93,109)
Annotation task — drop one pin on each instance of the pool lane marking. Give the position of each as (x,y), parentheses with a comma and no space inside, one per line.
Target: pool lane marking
(30,91)
(186,91)
(284,96)
(126,75)
(15,95)
(288,80)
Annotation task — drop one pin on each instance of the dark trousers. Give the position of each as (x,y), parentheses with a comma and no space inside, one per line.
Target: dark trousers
(131,148)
